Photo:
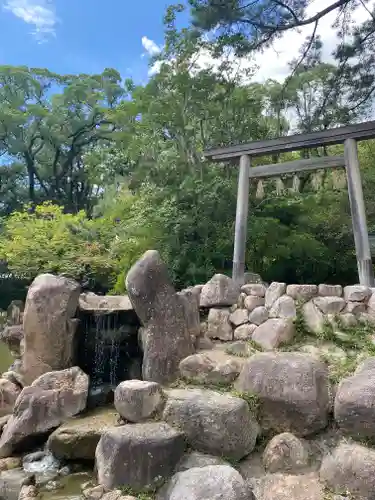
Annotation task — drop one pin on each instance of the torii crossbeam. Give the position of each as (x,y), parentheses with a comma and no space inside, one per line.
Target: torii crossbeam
(348,136)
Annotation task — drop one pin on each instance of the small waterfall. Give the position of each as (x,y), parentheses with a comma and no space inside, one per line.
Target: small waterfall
(114,353)
(101,325)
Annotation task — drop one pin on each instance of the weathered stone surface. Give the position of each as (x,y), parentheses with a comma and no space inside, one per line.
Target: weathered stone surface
(240,348)
(10,463)
(355,307)
(348,319)
(302,293)
(166,339)
(12,336)
(257,289)
(244,332)
(77,438)
(15,378)
(48,325)
(371,303)
(283,307)
(218,325)
(15,312)
(313,317)
(356,293)
(200,368)
(252,301)
(89,301)
(9,393)
(292,487)
(138,455)
(11,483)
(137,400)
(350,467)
(330,290)
(258,316)
(190,299)
(239,317)
(241,300)
(274,332)
(355,402)
(28,492)
(274,292)
(43,406)
(330,305)
(292,389)
(197,459)
(203,343)
(285,452)
(206,483)
(213,422)
(219,291)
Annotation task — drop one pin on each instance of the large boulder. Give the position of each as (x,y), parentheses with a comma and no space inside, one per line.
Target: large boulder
(137,400)
(202,369)
(285,452)
(273,333)
(138,456)
(206,483)
(292,390)
(9,392)
(274,292)
(219,291)
(12,336)
(48,325)
(350,468)
(77,438)
(166,336)
(293,487)
(213,423)
(218,325)
(43,406)
(354,407)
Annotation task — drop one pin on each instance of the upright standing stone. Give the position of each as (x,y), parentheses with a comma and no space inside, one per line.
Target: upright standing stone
(48,325)
(166,338)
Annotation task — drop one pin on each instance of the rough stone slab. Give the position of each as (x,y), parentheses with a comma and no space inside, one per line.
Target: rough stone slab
(350,467)
(244,332)
(252,302)
(302,293)
(137,400)
(330,290)
(257,289)
(9,393)
(206,483)
(89,301)
(313,317)
(274,292)
(239,317)
(220,291)
(330,305)
(258,316)
(139,456)
(213,423)
(285,452)
(292,487)
(190,300)
(77,438)
(273,333)
(355,307)
(357,293)
(200,368)
(283,307)
(218,326)
(292,389)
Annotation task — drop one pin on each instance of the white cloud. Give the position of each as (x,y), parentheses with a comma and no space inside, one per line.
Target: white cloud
(150,46)
(40,14)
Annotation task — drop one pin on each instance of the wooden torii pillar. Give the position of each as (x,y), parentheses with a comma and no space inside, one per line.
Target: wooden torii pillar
(348,136)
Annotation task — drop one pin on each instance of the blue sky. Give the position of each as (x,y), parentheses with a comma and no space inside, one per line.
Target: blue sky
(82,36)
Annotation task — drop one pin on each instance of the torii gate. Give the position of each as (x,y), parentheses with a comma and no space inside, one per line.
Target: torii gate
(244,152)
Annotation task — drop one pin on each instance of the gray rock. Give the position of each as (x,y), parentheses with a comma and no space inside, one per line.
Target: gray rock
(357,293)
(213,422)
(166,336)
(218,325)
(190,300)
(12,336)
(89,301)
(49,325)
(258,316)
(206,483)
(252,301)
(203,343)
(139,456)
(197,459)
(350,468)
(330,305)
(292,389)
(273,333)
(302,293)
(11,482)
(9,393)
(257,289)
(219,291)
(43,406)
(330,290)
(274,292)
(137,400)
(313,317)
(354,407)
(244,332)
(355,307)
(239,317)
(285,452)
(292,487)
(283,307)
(201,369)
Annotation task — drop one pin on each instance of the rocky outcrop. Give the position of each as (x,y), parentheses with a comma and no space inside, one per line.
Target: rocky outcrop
(138,400)
(292,390)
(214,423)
(206,483)
(166,336)
(48,325)
(43,406)
(139,456)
